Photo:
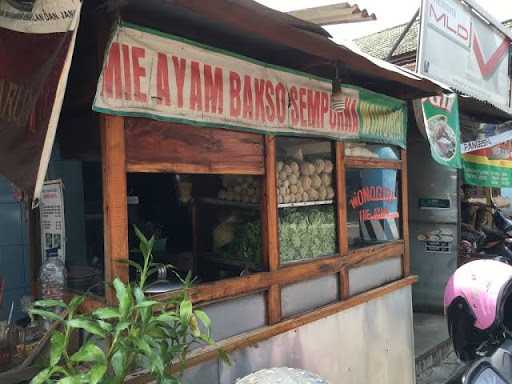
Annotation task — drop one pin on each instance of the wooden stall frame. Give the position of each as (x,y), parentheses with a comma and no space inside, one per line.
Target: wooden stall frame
(115,205)
(341,203)
(115,168)
(406,258)
(270,232)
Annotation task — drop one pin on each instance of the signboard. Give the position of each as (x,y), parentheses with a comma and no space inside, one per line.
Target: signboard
(437,246)
(438,240)
(487,160)
(150,74)
(441,125)
(53,228)
(433,203)
(376,204)
(37,42)
(460,49)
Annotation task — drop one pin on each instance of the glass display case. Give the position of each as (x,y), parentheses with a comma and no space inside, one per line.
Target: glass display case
(306,191)
(372,206)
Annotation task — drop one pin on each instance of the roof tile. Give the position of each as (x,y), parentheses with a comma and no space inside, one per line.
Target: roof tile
(379,44)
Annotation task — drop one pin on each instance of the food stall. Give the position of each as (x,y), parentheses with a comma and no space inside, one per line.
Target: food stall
(292,215)
(290,209)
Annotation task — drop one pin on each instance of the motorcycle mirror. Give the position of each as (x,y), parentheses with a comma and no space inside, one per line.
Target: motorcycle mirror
(482,372)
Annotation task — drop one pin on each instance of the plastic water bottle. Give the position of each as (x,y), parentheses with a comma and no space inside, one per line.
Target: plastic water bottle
(52,277)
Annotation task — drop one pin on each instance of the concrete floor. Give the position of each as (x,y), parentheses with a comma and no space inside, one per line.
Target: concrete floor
(430,330)
(436,362)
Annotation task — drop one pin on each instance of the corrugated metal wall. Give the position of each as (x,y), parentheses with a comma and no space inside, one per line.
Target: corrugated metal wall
(14,249)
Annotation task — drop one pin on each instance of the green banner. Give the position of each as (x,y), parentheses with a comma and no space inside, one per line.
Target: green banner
(179,80)
(489,164)
(441,124)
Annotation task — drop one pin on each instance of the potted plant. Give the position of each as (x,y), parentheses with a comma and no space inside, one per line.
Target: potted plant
(138,333)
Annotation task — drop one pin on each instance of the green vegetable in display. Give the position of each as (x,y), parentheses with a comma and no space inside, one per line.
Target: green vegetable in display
(306,233)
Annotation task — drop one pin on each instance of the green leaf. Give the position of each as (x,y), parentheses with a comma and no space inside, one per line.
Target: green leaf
(96,373)
(151,243)
(185,311)
(118,362)
(203,317)
(156,332)
(89,353)
(166,318)
(70,380)
(106,313)
(224,357)
(121,326)
(75,303)
(50,303)
(143,346)
(139,295)
(123,297)
(157,364)
(42,377)
(107,327)
(46,314)
(88,326)
(132,263)
(58,344)
(140,235)
(147,303)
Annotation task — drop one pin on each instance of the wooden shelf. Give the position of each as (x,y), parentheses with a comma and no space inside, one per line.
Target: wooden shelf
(228,203)
(305,204)
(233,262)
(238,204)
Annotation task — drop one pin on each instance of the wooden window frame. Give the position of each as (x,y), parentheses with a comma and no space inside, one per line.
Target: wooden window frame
(115,168)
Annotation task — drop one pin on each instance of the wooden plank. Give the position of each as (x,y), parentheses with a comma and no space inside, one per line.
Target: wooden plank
(271,230)
(364,162)
(375,253)
(154,146)
(115,206)
(333,14)
(274,304)
(406,260)
(344,284)
(257,336)
(341,203)
(242,285)
(341,198)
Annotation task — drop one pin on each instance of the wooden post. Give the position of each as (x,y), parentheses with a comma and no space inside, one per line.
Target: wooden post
(341,204)
(270,228)
(115,207)
(406,258)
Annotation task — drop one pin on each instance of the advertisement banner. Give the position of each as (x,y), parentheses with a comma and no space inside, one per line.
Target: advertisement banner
(441,125)
(460,49)
(53,228)
(33,75)
(150,74)
(487,160)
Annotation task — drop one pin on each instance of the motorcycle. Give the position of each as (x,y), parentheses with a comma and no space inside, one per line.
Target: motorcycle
(478,307)
(486,242)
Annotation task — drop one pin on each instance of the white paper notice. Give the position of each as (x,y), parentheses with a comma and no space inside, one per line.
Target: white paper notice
(53,228)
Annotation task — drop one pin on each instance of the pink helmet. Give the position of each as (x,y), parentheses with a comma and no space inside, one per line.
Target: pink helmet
(478,304)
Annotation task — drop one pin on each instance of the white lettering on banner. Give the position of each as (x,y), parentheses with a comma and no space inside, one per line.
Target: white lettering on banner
(486,142)
(164,77)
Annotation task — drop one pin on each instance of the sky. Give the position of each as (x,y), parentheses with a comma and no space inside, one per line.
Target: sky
(389,13)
